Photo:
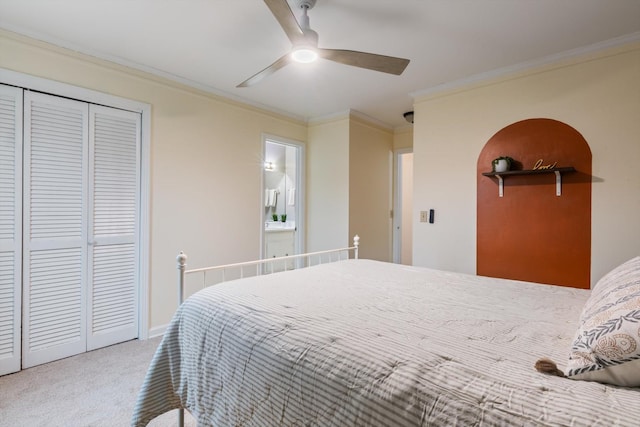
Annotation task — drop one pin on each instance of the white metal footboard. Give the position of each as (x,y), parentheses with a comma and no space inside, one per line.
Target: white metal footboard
(260,267)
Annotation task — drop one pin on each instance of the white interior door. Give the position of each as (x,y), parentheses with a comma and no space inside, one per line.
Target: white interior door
(403,208)
(114,171)
(10,227)
(55,228)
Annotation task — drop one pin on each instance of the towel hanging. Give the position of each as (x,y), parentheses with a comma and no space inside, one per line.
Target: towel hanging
(272,198)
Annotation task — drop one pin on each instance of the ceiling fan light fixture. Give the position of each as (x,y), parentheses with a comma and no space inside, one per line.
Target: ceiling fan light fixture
(304,55)
(408,116)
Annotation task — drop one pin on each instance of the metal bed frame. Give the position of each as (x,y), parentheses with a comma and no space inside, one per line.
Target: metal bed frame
(260,267)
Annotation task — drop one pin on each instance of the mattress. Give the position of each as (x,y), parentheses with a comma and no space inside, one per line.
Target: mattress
(368,343)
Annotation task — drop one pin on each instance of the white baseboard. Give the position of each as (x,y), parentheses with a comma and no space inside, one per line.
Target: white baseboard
(157,331)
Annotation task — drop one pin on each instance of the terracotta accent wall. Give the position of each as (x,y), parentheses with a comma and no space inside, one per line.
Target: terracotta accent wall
(530,233)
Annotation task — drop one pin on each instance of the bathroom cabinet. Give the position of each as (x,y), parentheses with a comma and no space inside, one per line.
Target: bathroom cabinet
(279,243)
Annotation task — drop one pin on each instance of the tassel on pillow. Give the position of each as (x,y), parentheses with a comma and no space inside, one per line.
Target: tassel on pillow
(547,366)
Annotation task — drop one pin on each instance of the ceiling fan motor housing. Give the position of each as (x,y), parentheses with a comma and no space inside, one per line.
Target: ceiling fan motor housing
(310,37)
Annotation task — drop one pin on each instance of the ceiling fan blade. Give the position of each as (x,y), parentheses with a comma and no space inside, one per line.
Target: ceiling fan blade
(284,60)
(287,20)
(370,61)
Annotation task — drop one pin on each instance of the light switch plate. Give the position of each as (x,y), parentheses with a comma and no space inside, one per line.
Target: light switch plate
(424,216)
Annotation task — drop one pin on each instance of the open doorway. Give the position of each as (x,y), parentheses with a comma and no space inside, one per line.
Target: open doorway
(283,214)
(403,208)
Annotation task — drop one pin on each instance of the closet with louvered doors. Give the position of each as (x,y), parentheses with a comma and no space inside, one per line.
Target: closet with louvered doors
(80,226)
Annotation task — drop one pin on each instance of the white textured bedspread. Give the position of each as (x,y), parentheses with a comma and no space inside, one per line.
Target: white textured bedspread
(366,343)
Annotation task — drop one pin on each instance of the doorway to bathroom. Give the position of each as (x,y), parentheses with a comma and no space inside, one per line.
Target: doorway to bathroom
(283,215)
(403,207)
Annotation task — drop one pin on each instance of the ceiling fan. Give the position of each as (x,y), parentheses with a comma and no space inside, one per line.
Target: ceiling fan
(305,46)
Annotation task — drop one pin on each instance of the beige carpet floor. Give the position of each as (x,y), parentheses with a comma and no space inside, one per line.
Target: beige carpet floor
(97,388)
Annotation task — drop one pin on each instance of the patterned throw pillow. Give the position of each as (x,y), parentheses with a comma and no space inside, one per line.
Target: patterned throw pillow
(606,348)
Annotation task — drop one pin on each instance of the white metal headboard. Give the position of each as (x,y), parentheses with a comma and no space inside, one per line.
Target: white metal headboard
(265,266)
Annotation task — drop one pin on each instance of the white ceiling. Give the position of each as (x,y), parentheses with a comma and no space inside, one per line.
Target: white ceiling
(216,44)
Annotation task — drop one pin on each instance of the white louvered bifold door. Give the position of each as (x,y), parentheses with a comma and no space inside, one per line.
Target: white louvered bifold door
(10,227)
(55,228)
(114,172)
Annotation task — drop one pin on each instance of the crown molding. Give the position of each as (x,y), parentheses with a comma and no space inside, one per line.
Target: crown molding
(569,55)
(130,67)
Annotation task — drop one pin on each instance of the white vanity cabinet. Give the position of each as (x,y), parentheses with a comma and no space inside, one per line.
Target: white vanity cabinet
(279,243)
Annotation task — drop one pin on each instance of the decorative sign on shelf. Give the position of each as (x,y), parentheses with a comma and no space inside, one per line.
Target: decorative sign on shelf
(541,166)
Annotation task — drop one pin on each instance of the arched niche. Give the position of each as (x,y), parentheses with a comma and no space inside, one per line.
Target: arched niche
(531,233)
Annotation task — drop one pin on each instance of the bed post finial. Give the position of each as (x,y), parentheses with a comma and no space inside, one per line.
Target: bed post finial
(356,244)
(182,260)
(182,264)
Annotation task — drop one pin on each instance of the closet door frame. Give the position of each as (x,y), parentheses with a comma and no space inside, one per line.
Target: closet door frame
(30,82)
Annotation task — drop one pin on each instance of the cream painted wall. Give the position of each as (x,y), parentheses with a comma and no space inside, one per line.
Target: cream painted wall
(349,185)
(370,188)
(403,137)
(598,95)
(206,161)
(328,185)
